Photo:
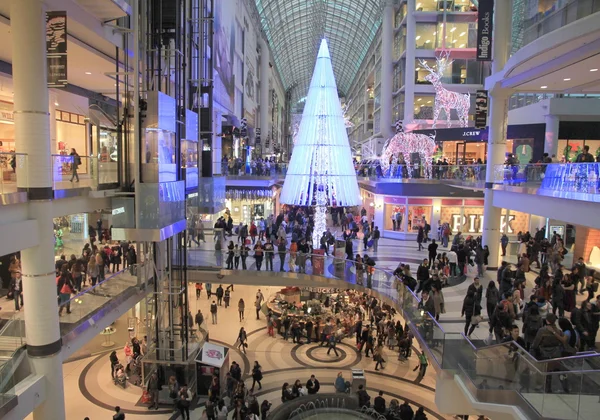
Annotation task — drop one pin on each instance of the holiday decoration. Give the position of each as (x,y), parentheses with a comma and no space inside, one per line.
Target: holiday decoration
(444,98)
(249,194)
(399,127)
(406,144)
(349,124)
(321,172)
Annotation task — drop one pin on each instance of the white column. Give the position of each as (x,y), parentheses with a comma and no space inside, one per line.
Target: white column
(551,136)
(32,136)
(53,134)
(409,68)
(264,95)
(498,121)
(387,36)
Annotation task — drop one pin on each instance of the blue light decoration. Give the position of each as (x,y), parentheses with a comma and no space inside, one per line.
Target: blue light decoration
(321,172)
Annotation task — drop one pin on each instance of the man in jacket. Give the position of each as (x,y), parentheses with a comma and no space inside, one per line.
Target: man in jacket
(422,275)
(220,293)
(363,398)
(548,344)
(379,403)
(153,391)
(581,274)
(406,411)
(313,385)
(432,248)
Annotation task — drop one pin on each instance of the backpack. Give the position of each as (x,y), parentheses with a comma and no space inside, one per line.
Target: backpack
(533,327)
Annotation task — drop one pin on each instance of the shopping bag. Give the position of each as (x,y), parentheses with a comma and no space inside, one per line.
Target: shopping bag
(146,399)
(369,243)
(359,346)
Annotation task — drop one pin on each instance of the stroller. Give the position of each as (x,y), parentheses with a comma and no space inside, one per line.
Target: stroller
(135,369)
(120,378)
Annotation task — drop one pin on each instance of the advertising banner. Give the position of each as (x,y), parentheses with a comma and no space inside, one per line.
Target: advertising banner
(250,77)
(481,109)
(56,48)
(224,50)
(485,26)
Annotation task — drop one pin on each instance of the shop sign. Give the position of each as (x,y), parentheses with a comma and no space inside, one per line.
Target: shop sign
(475,223)
(7,116)
(56,48)
(119,210)
(481,109)
(485,28)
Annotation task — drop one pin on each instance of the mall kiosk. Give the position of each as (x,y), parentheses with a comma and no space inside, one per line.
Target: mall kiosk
(212,360)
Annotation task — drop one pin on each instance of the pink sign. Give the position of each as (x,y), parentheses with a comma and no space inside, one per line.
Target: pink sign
(394,200)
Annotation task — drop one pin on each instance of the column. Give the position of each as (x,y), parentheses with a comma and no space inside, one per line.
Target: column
(32,136)
(497,123)
(551,136)
(409,68)
(264,95)
(387,36)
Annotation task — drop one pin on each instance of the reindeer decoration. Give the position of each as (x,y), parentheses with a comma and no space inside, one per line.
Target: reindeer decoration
(405,144)
(444,98)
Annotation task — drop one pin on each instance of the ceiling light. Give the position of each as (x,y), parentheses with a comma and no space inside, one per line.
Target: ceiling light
(453,29)
(461,46)
(435,33)
(544,87)
(455,41)
(593,69)
(567,79)
(462,34)
(419,100)
(418,37)
(428,41)
(428,102)
(418,5)
(55,103)
(88,72)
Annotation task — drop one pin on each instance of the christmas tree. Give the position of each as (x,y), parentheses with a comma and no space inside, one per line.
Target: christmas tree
(321,172)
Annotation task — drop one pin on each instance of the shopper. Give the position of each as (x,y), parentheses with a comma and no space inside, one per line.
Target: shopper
(256,376)
(378,357)
(258,255)
(379,403)
(199,318)
(184,402)
(241,309)
(260,298)
(153,389)
(213,312)
(332,343)
(220,293)
(75,162)
(281,250)
(119,415)
(243,340)
(340,383)
(313,385)
(422,366)
(269,254)
(467,309)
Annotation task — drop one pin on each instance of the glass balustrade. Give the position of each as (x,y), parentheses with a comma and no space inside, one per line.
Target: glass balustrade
(13,168)
(254,169)
(463,173)
(89,172)
(499,373)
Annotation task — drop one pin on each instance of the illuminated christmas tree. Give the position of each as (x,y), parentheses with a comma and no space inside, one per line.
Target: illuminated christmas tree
(321,172)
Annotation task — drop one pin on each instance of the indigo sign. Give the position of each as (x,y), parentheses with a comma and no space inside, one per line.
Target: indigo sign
(485,27)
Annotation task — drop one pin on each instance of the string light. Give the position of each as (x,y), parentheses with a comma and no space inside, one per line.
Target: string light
(321,172)
(406,144)
(445,99)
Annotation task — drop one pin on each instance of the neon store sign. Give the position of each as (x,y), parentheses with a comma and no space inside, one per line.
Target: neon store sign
(475,223)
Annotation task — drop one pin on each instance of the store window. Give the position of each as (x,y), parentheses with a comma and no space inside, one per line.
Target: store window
(460,71)
(398,107)
(398,78)
(425,37)
(417,215)
(462,153)
(399,17)
(424,107)
(394,217)
(457,35)
(569,149)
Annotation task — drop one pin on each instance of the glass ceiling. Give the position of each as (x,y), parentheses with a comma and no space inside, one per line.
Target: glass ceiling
(294,29)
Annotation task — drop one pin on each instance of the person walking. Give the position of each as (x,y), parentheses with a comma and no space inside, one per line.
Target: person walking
(375,238)
(199,318)
(378,357)
(504,244)
(184,402)
(16,286)
(241,309)
(492,297)
(153,391)
(256,376)
(420,237)
(332,343)
(213,312)
(467,309)
(432,249)
(281,250)
(269,254)
(242,338)
(75,162)
(258,255)
(422,366)
(260,298)
(220,293)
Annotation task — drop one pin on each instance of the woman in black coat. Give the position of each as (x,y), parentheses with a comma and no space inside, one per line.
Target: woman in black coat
(468,309)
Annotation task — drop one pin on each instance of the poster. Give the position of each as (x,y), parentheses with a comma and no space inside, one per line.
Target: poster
(56,49)
(224,50)
(250,77)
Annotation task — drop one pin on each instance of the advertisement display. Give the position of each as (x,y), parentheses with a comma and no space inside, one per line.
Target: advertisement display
(224,49)
(481,109)
(485,28)
(250,77)
(56,48)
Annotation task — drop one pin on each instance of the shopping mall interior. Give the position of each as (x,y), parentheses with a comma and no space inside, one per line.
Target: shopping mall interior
(233,209)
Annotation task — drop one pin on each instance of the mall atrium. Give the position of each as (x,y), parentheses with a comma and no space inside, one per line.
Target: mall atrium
(233,209)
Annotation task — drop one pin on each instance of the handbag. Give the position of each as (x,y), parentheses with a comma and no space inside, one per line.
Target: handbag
(359,346)
(476,319)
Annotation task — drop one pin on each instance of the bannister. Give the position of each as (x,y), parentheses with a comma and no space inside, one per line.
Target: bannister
(451,351)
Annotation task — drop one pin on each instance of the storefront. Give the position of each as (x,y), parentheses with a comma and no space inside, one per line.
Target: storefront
(250,204)
(402,216)
(574,135)
(469,145)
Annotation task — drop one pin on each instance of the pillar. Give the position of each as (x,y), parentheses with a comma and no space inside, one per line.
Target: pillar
(551,135)
(387,36)
(32,136)
(498,121)
(264,96)
(409,68)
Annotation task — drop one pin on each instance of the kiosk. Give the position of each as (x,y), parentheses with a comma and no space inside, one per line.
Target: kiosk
(212,360)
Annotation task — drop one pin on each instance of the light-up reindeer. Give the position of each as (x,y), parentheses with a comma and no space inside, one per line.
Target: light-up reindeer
(444,98)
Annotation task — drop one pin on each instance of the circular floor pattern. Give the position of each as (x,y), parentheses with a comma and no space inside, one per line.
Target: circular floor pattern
(314,356)
(319,354)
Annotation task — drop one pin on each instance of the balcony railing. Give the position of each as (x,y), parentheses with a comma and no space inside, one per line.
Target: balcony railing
(90,172)
(396,172)
(12,165)
(254,170)
(566,178)
(514,375)
(559,14)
